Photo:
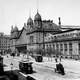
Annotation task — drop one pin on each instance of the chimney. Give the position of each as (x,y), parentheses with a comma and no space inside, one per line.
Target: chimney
(59,21)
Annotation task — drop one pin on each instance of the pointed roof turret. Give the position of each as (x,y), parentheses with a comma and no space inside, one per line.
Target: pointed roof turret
(59,21)
(12,29)
(37,17)
(15,29)
(29,21)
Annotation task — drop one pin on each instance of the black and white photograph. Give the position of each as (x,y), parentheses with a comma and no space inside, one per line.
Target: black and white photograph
(39,39)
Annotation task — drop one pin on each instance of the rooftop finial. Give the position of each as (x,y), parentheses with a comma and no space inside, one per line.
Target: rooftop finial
(37,10)
(59,21)
(37,5)
(12,27)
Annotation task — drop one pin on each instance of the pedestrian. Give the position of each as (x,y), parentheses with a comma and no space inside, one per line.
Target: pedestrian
(11,66)
(55,59)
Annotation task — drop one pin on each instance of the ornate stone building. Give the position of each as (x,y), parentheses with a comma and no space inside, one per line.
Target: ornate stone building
(32,34)
(44,34)
(67,42)
(4,43)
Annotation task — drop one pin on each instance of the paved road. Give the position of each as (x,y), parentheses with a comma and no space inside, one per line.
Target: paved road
(46,73)
(42,72)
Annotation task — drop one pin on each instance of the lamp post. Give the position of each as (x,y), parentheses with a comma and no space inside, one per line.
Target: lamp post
(11,66)
(27,52)
(43,42)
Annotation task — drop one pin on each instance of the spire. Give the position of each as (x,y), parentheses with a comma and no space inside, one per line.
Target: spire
(59,21)
(30,13)
(37,10)
(29,21)
(37,6)
(12,28)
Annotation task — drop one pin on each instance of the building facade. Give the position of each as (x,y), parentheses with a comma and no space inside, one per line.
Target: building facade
(44,34)
(67,42)
(4,43)
(32,35)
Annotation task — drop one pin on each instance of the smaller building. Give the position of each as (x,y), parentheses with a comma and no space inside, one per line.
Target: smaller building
(4,43)
(67,42)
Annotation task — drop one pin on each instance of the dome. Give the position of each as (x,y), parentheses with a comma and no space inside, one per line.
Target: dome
(15,29)
(30,21)
(37,17)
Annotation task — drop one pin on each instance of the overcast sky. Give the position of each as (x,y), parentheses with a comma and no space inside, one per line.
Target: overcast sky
(16,12)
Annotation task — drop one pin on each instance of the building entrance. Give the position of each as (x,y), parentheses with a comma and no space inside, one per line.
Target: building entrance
(21,49)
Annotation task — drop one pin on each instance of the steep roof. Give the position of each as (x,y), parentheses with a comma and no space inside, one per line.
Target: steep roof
(69,26)
(29,21)
(37,17)
(49,25)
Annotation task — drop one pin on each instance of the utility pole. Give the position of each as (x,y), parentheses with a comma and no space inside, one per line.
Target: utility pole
(43,42)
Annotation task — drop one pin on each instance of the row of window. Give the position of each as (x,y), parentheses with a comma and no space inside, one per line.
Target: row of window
(5,40)
(4,47)
(60,46)
(4,44)
(38,38)
(62,36)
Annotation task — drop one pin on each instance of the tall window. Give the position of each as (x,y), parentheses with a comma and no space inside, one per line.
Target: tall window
(65,46)
(57,46)
(70,48)
(61,47)
(53,46)
(49,45)
(31,39)
(79,47)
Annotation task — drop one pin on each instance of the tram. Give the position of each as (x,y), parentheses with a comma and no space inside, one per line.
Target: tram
(25,67)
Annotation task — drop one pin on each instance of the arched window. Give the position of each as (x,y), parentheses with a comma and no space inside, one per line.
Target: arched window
(53,46)
(70,48)
(65,46)
(61,47)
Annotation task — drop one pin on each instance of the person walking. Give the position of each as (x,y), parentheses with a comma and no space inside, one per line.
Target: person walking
(56,59)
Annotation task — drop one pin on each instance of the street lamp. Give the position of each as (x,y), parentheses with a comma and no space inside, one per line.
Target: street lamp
(43,42)
(11,66)
(27,52)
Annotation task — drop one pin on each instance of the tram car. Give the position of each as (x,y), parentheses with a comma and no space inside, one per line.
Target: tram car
(25,67)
